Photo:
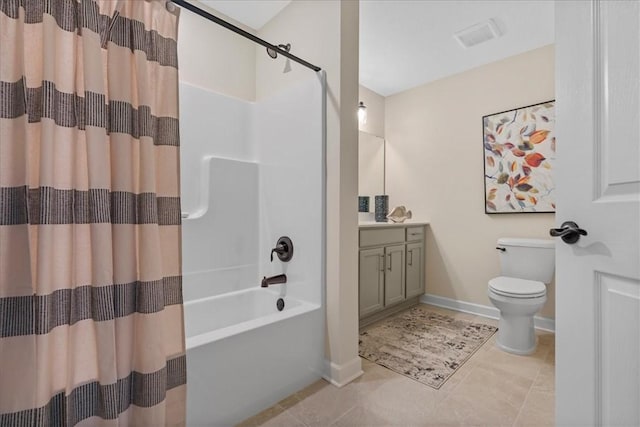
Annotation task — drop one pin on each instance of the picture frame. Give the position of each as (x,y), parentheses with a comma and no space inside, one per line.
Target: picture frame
(519,147)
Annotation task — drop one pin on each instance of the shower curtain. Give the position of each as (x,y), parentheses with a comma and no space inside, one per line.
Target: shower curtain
(91,317)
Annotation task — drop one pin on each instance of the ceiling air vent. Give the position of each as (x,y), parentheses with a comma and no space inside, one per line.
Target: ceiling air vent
(478,33)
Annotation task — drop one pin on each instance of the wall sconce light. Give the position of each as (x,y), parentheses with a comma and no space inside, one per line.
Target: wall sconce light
(362,113)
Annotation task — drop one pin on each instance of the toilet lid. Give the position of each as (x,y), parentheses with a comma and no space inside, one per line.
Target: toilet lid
(517,288)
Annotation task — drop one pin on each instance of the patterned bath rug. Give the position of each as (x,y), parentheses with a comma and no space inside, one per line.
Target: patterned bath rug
(422,345)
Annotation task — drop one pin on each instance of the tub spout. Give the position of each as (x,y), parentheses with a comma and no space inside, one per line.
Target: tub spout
(273,280)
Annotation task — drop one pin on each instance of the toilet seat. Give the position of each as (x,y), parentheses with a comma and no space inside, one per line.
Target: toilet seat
(517,288)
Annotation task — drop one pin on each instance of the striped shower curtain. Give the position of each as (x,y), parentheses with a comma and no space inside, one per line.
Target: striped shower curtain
(91,316)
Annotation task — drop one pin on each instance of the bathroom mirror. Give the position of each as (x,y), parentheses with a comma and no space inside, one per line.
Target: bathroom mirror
(371,166)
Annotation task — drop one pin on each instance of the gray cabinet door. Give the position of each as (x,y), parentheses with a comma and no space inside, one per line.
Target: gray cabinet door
(415,269)
(394,274)
(371,284)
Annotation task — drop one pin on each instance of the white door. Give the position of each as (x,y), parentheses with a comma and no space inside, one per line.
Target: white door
(598,184)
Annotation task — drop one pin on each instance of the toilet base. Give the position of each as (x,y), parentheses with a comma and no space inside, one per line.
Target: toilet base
(516,332)
(514,339)
(516,351)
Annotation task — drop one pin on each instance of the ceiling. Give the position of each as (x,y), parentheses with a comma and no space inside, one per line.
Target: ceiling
(406,43)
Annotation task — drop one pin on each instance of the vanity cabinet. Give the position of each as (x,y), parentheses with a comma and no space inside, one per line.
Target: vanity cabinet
(371,272)
(391,269)
(394,290)
(415,261)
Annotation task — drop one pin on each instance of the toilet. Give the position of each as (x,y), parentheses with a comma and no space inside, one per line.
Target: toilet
(526,265)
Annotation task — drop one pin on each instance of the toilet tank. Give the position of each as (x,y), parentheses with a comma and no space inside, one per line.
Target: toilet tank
(532,259)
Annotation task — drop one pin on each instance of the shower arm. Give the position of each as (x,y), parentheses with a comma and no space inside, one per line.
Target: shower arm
(243,33)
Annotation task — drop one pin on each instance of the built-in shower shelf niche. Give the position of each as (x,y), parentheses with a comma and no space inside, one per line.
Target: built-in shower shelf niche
(203,199)
(212,126)
(208,181)
(222,231)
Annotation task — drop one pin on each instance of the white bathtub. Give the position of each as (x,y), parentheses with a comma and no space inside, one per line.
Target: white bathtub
(236,365)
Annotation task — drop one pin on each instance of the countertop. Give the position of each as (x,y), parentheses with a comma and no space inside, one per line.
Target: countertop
(373,224)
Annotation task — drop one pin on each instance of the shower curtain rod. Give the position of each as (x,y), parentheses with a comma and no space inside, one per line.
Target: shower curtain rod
(243,33)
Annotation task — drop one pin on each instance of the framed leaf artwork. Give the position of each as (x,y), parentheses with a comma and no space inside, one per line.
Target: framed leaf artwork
(519,160)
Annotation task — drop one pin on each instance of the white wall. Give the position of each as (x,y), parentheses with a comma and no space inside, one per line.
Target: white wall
(326,33)
(435,168)
(215,58)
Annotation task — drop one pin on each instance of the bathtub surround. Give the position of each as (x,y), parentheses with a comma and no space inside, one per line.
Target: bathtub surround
(423,345)
(239,165)
(422,172)
(210,268)
(210,157)
(288,135)
(326,34)
(230,139)
(301,23)
(90,273)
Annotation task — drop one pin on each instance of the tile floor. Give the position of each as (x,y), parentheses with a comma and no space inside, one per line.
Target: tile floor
(492,388)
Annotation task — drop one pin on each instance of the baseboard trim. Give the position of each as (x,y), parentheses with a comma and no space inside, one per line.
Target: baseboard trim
(341,375)
(542,323)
